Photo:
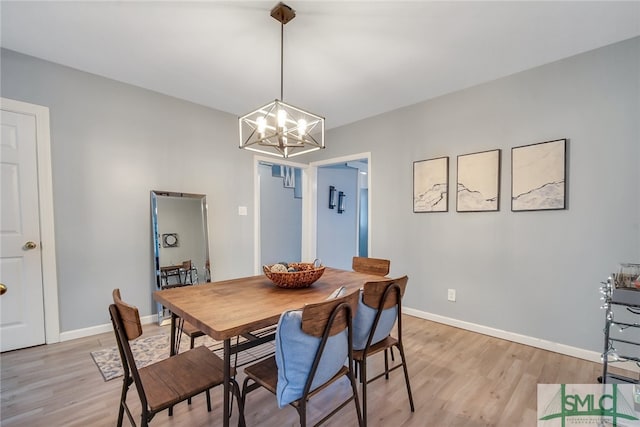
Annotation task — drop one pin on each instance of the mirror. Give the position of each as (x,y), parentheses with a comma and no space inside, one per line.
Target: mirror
(180,239)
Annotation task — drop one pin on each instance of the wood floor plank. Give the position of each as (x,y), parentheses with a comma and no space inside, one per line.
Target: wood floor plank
(458,378)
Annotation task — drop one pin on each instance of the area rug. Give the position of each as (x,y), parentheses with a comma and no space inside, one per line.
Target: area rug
(148,350)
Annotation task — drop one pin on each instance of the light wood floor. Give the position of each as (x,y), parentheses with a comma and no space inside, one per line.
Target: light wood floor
(459,378)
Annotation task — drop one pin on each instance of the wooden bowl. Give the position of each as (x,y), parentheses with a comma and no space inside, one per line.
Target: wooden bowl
(303,278)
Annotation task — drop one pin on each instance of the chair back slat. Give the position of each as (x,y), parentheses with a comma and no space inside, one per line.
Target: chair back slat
(127,326)
(374,291)
(377,266)
(129,315)
(315,316)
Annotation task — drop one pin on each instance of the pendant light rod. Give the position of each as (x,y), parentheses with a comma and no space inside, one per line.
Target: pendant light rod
(281,62)
(283,14)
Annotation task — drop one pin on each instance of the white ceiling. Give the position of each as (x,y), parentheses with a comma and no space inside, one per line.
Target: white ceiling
(345,60)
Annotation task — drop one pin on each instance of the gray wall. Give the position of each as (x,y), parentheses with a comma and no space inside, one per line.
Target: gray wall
(533,273)
(111,144)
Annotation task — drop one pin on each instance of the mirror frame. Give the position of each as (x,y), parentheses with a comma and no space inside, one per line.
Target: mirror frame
(156,237)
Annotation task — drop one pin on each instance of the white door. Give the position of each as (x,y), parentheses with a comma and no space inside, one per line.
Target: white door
(22,322)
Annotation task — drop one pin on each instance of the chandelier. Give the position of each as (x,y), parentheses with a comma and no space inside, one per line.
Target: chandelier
(277,128)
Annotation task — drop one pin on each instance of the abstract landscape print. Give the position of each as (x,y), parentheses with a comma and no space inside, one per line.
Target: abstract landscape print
(538,176)
(430,185)
(478,187)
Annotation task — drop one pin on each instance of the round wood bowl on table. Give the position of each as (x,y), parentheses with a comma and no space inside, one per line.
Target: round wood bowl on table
(306,273)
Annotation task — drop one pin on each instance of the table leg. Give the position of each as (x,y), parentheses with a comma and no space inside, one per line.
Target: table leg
(173,349)
(227,381)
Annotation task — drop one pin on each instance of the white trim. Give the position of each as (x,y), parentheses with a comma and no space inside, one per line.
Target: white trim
(101,329)
(369,199)
(257,252)
(45,196)
(309,213)
(580,353)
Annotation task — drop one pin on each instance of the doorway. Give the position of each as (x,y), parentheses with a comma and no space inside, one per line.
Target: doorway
(312,198)
(33,245)
(342,203)
(321,223)
(278,200)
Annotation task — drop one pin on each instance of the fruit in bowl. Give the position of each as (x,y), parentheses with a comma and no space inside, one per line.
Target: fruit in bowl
(294,274)
(279,268)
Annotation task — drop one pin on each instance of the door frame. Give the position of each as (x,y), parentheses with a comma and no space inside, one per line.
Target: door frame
(310,202)
(45,202)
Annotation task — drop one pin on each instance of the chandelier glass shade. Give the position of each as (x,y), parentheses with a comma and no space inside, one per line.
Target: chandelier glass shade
(277,128)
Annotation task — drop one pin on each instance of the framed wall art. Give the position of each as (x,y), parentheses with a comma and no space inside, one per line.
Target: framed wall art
(538,176)
(478,187)
(431,185)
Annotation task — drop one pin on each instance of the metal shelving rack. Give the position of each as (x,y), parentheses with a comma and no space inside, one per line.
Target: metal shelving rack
(621,302)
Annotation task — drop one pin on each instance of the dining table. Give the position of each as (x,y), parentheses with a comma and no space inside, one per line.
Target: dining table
(237,307)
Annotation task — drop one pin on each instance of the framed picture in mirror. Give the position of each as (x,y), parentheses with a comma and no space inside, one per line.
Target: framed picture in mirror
(170,240)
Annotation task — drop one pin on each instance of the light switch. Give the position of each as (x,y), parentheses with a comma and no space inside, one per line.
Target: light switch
(242,210)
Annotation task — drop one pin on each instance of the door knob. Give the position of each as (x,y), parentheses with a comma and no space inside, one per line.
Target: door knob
(3,289)
(30,245)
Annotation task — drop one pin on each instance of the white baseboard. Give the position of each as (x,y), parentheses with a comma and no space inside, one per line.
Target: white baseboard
(100,329)
(567,350)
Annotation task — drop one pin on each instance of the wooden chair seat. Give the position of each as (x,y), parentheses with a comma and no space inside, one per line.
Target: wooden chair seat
(177,378)
(388,342)
(265,373)
(192,332)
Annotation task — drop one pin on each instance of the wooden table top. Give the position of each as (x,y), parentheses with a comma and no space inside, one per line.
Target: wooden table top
(228,308)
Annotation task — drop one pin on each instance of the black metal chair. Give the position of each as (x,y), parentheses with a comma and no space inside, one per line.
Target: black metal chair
(379,309)
(163,384)
(319,323)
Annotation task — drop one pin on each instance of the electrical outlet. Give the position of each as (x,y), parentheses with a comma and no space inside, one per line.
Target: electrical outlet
(451,295)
